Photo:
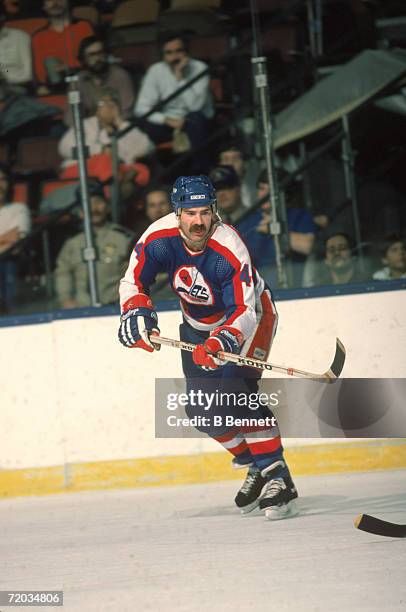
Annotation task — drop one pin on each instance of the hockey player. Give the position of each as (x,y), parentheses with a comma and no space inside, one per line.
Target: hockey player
(226,306)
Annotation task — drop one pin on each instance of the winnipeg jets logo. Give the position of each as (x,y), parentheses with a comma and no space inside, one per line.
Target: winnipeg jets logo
(191,286)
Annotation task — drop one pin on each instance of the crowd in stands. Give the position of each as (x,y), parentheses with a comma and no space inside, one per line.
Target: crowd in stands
(188,111)
(132,119)
(113,245)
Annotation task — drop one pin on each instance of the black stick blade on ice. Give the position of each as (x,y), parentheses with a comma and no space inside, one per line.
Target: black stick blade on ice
(338,362)
(368,523)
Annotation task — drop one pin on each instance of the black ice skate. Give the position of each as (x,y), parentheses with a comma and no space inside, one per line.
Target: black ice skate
(248,496)
(278,499)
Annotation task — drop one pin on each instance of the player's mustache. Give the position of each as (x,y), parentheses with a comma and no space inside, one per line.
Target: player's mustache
(197,228)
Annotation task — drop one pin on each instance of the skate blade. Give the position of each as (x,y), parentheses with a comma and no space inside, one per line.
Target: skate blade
(278,513)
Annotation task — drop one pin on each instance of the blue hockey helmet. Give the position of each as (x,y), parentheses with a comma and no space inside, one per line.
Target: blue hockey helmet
(193,192)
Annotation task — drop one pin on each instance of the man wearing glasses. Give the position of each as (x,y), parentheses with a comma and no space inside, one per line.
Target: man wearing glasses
(190,111)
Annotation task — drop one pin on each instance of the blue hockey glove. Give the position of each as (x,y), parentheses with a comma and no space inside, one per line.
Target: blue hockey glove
(137,322)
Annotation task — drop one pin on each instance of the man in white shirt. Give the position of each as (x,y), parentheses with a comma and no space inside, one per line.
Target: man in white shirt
(189,111)
(15,223)
(15,53)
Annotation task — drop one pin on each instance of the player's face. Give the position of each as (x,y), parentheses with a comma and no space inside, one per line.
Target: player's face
(157,205)
(396,257)
(338,252)
(234,159)
(196,224)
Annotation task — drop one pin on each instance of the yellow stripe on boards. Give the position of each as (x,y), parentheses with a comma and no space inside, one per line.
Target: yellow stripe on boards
(191,469)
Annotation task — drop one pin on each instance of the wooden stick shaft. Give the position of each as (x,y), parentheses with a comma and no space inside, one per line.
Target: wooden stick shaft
(328,376)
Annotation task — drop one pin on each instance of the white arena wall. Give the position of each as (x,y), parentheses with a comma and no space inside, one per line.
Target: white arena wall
(70,393)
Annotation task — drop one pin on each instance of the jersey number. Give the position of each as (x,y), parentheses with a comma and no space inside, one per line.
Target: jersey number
(245,275)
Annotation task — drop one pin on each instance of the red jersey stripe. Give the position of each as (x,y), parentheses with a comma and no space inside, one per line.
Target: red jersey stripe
(238,289)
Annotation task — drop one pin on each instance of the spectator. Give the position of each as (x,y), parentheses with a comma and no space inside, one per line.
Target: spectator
(55,46)
(339,265)
(301,226)
(157,205)
(97,74)
(112,243)
(230,154)
(301,233)
(98,131)
(15,223)
(228,187)
(189,112)
(15,53)
(394,259)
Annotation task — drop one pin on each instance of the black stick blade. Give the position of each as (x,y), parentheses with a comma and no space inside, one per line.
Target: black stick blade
(338,362)
(368,523)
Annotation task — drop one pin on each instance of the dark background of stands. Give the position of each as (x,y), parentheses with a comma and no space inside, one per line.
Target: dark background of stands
(221,35)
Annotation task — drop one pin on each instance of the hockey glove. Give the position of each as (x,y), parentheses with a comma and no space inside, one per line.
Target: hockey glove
(224,339)
(137,322)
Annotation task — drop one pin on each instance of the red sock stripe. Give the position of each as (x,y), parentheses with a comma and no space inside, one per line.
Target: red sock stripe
(265,446)
(238,450)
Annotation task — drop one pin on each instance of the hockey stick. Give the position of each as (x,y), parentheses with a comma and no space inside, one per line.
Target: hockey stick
(329,376)
(378,527)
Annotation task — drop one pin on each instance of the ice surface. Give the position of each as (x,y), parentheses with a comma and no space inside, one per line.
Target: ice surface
(187,548)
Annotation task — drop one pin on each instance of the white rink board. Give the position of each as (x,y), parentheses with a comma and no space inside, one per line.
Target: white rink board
(71,393)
